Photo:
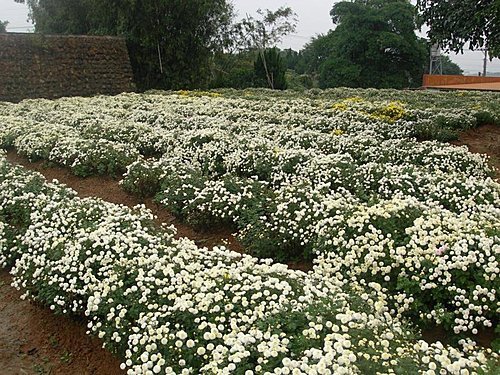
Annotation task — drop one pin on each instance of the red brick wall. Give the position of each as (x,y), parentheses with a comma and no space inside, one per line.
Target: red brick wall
(443,80)
(51,66)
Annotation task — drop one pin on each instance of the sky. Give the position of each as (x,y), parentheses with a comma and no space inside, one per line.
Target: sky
(313,19)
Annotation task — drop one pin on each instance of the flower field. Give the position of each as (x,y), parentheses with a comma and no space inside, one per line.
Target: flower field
(403,230)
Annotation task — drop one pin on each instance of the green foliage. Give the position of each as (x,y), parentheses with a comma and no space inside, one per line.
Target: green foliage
(432,130)
(237,70)
(453,24)
(291,58)
(316,52)
(170,42)
(298,75)
(270,70)
(339,71)
(101,159)
(449,67)
(3,26)
(485,118)
(265,31)
(374,45)
(179,188)
(142,179)
(298,82)
(234,70)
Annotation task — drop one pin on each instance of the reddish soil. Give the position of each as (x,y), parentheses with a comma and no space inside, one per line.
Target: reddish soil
(483,140)
(35,341)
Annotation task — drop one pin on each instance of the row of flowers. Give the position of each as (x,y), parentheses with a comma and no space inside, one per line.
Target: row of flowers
(169,307)
(337,180)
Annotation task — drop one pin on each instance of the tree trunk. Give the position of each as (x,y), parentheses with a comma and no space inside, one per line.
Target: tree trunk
(270,80)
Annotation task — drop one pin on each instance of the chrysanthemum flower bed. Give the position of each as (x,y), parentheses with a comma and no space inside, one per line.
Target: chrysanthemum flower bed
(333,176)
(436,265)
(169,307)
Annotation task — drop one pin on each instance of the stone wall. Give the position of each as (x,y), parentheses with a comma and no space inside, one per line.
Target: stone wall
(52,66)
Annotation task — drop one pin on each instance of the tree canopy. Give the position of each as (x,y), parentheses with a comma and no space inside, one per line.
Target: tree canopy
(457,23)
(262,34)
(373,45)
(170,41)
(3,26)
(267,30)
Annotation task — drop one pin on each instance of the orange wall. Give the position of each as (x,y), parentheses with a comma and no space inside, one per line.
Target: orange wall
(443,80)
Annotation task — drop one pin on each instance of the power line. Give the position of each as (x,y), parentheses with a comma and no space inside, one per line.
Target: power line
(298,36)
(31,30)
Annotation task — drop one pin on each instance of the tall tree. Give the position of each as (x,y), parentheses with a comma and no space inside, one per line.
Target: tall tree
(373,45)
(265,32)
(290,58)
(456,23)
(170,41)
(3,26)
(317,51)
(270,67)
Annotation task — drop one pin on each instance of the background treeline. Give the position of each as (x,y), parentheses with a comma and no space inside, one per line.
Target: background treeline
(176,44)
(373,45)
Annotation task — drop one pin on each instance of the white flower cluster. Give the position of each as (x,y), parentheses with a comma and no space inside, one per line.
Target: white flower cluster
(4,244)
(20,194)
(170,307)
(434,263)
(284,171)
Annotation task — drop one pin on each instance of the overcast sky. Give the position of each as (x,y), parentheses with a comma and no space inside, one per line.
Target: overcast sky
(313,17)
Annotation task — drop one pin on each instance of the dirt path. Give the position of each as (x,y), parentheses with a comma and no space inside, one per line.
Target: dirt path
(34,341)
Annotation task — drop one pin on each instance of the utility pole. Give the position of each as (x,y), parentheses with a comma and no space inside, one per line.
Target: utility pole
(485,63)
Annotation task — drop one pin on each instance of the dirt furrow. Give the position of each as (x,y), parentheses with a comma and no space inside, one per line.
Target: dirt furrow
(35,341)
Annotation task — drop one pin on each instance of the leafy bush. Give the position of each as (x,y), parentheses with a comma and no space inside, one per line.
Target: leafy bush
(229,201)
(142,178)
(178,188)
(429,130)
